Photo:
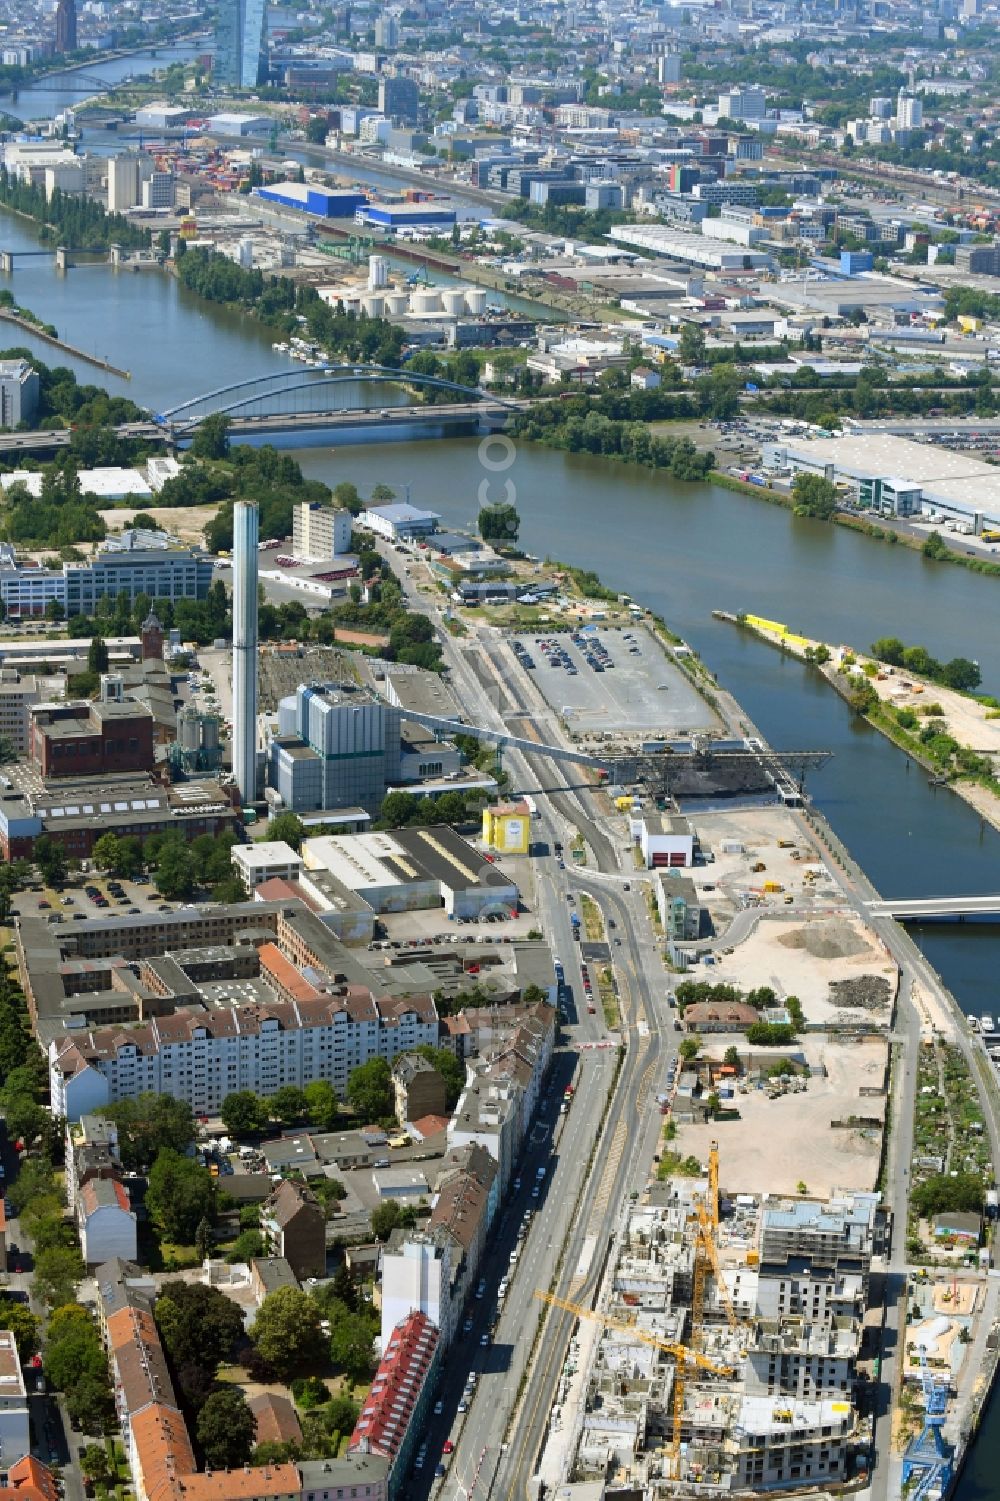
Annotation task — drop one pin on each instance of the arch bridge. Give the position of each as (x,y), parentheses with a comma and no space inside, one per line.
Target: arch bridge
(330,395)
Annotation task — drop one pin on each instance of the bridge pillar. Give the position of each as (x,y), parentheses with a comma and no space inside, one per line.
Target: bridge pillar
(6,262)
(62,258)
(116,256)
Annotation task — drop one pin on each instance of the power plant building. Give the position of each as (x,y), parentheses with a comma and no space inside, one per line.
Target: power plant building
(246,527)
(335,749)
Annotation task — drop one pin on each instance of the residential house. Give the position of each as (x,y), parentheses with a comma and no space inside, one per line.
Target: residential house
(419,1088)
(294,1224)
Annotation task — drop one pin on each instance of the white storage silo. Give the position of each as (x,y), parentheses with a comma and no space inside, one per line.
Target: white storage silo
(396,304)
(378,272)
(453,301)
(373,304)
(426,301)
(475,301)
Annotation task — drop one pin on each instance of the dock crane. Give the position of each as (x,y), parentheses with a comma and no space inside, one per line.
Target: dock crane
(682,1354)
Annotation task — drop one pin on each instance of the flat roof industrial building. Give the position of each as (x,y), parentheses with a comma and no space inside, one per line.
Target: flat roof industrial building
(413,868)
(956,483)
(693,249)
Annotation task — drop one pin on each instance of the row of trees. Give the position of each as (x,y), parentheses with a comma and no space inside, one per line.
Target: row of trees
(70,218)
(558,427)
(959,673)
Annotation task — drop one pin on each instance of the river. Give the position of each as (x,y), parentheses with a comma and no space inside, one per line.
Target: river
(682,549)
(65,90)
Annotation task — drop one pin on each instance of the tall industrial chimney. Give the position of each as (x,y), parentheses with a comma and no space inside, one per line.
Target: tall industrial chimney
(245,532)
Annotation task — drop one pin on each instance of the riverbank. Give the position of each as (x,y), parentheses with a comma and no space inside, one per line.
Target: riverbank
(8,315)
(894,701)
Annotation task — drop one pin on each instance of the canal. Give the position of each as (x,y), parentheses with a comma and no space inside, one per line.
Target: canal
(682,549)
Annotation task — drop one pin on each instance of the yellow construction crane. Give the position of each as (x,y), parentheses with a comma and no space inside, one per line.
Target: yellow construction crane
(713,1184)
(683,1355)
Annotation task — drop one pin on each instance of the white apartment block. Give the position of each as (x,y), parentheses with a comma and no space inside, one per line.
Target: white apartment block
(17,695)
(202,1057)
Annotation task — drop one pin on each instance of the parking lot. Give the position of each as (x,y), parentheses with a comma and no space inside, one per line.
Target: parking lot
(90,895)
(618,681)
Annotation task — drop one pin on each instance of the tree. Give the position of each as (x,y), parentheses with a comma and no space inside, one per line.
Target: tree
(346,495)
(211,438)
(90,1404)
(369,1090)
(243,1113)
(397,809)
(351,1340)
(198,1325)
(76,1352)
(814,496)
(146,1124)
(95,1463)
(962,674)
(288,827)
(204,1240)
(19,1319)
(97,655)
(180,1193)
(689,1048)
(391,1216)
(175,869)
(731,1057)
(889,649)
(57,1272)
(322,1104)
(942,1193)
(50,857)
(288,1105)
(381,493)
(54,610)
(226,1429)
(691,345)
(287,1332)
(499,523)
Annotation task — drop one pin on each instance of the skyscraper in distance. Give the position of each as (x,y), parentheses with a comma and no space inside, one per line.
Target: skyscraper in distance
(240,34)
(66,26)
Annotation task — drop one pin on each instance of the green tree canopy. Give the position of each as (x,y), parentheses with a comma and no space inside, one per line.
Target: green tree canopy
(146,1124)
(226,1429)
(179,1194)
(369,1090)
(287,1333)
(243,1113)
(288,827)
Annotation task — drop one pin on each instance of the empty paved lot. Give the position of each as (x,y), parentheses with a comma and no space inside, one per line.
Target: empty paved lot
(626,698)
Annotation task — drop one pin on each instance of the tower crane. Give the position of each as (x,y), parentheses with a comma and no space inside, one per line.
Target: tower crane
(683,1355)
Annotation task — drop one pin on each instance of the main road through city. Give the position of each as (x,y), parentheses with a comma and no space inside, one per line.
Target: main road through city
(578,1168)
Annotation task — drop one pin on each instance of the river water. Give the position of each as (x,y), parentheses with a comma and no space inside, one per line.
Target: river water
(682,549)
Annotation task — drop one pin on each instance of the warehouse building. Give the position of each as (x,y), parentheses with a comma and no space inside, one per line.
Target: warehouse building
(413,869)
(690,249)
(897,476)
(310,198)
(406,215)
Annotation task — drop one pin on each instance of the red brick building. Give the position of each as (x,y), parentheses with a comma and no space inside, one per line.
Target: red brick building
(84,739)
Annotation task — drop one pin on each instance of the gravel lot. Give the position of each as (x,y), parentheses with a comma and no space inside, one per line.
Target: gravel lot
(802,1145)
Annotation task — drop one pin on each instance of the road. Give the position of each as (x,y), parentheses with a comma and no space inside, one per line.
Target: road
(593,1155)
(492,412)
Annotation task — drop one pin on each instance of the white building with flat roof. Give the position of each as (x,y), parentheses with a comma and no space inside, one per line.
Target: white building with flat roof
(15,1433)
(265,860)
(885,471)
(399,522)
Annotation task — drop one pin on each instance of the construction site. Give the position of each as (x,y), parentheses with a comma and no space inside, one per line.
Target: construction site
(723,1351)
